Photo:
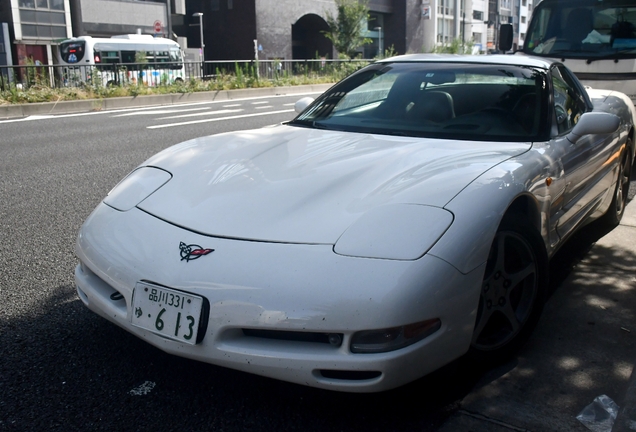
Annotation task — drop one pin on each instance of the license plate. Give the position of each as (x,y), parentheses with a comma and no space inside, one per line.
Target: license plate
(170,313)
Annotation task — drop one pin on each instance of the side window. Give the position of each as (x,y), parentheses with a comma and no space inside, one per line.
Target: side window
(162,56)
(108,56)
(128,56)
(569,103)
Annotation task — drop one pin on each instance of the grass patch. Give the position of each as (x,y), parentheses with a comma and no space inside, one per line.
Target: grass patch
(243,76)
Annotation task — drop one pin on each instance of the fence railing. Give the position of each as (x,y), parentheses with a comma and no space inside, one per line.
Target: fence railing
(157,74)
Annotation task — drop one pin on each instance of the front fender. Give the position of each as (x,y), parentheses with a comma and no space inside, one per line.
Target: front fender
(480,207)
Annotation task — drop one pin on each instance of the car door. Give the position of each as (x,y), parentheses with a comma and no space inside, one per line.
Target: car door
(585,164)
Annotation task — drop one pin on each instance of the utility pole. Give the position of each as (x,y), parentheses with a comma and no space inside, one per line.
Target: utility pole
(463,32)
(258,75)
(169,18)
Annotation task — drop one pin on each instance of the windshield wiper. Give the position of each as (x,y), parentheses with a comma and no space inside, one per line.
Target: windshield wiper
(319,125)
(613,55)
(314,124)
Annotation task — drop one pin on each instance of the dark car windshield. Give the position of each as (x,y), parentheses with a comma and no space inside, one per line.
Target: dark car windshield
(586,29)
(444,100)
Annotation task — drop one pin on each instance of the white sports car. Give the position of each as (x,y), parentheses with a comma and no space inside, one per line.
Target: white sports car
(403,219)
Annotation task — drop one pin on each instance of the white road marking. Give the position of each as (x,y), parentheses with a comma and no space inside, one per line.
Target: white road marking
(158,107)
(290,104)
(166,111)
(143,389)
(264,106)
(259,103)
(218,119)
(227,111)
(231,105)
(39,117)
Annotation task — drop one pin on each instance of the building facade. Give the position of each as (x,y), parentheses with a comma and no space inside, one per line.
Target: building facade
(35,27)
(525,12)
(479,25)
(105,18)
(294,29)
(282,29)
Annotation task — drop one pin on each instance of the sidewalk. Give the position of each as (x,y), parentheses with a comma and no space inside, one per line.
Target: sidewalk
(78,106)
(583,347)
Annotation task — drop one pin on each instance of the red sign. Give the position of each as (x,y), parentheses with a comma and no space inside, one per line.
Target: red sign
(158,27)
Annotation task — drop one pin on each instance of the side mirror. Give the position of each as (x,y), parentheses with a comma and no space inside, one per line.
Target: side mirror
(593,123)
(505,37)
(303,103)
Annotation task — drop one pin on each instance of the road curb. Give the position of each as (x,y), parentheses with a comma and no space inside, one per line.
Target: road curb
(79,106)
(626,419)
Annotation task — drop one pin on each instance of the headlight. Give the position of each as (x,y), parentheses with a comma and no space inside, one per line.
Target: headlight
(390,339)
(136,187)
(397,231)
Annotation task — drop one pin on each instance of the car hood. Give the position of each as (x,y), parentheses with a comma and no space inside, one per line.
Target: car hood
(299,185)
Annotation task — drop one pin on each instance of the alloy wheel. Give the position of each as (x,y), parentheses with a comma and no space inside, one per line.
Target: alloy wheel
(508,293)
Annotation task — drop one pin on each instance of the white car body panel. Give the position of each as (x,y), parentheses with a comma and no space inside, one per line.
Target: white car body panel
(242,281)
(301,185)
(325,232)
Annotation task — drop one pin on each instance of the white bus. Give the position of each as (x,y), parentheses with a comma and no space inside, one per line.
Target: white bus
(125,59)
(596,39)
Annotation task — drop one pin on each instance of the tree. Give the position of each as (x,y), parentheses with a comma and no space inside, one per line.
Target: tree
(455,47)
(345,30)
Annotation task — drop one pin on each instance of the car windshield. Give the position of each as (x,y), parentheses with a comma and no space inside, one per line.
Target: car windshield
(591,30)
(468,101)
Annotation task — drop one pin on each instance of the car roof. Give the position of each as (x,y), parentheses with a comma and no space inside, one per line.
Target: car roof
(513,60)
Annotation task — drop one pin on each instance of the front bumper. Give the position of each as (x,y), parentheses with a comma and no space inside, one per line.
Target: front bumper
(280,288)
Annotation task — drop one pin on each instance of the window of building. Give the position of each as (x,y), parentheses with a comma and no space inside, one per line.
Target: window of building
(375,20)
(524,2)
(523,20)
(478,15)
(43,19)
(446,7)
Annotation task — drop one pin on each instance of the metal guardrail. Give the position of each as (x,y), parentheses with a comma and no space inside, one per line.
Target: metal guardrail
(157,74)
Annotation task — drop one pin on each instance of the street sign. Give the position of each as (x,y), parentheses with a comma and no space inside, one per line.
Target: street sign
(158,27)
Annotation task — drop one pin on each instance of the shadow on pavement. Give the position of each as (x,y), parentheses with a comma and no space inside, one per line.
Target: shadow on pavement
(65,368)
(583,347)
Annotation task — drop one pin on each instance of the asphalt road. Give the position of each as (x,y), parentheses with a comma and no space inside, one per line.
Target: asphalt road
(64,368)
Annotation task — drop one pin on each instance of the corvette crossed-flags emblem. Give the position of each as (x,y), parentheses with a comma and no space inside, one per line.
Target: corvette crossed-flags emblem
(192,251)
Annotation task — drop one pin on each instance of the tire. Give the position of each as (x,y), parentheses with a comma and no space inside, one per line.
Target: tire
(616,209)
(512,294)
